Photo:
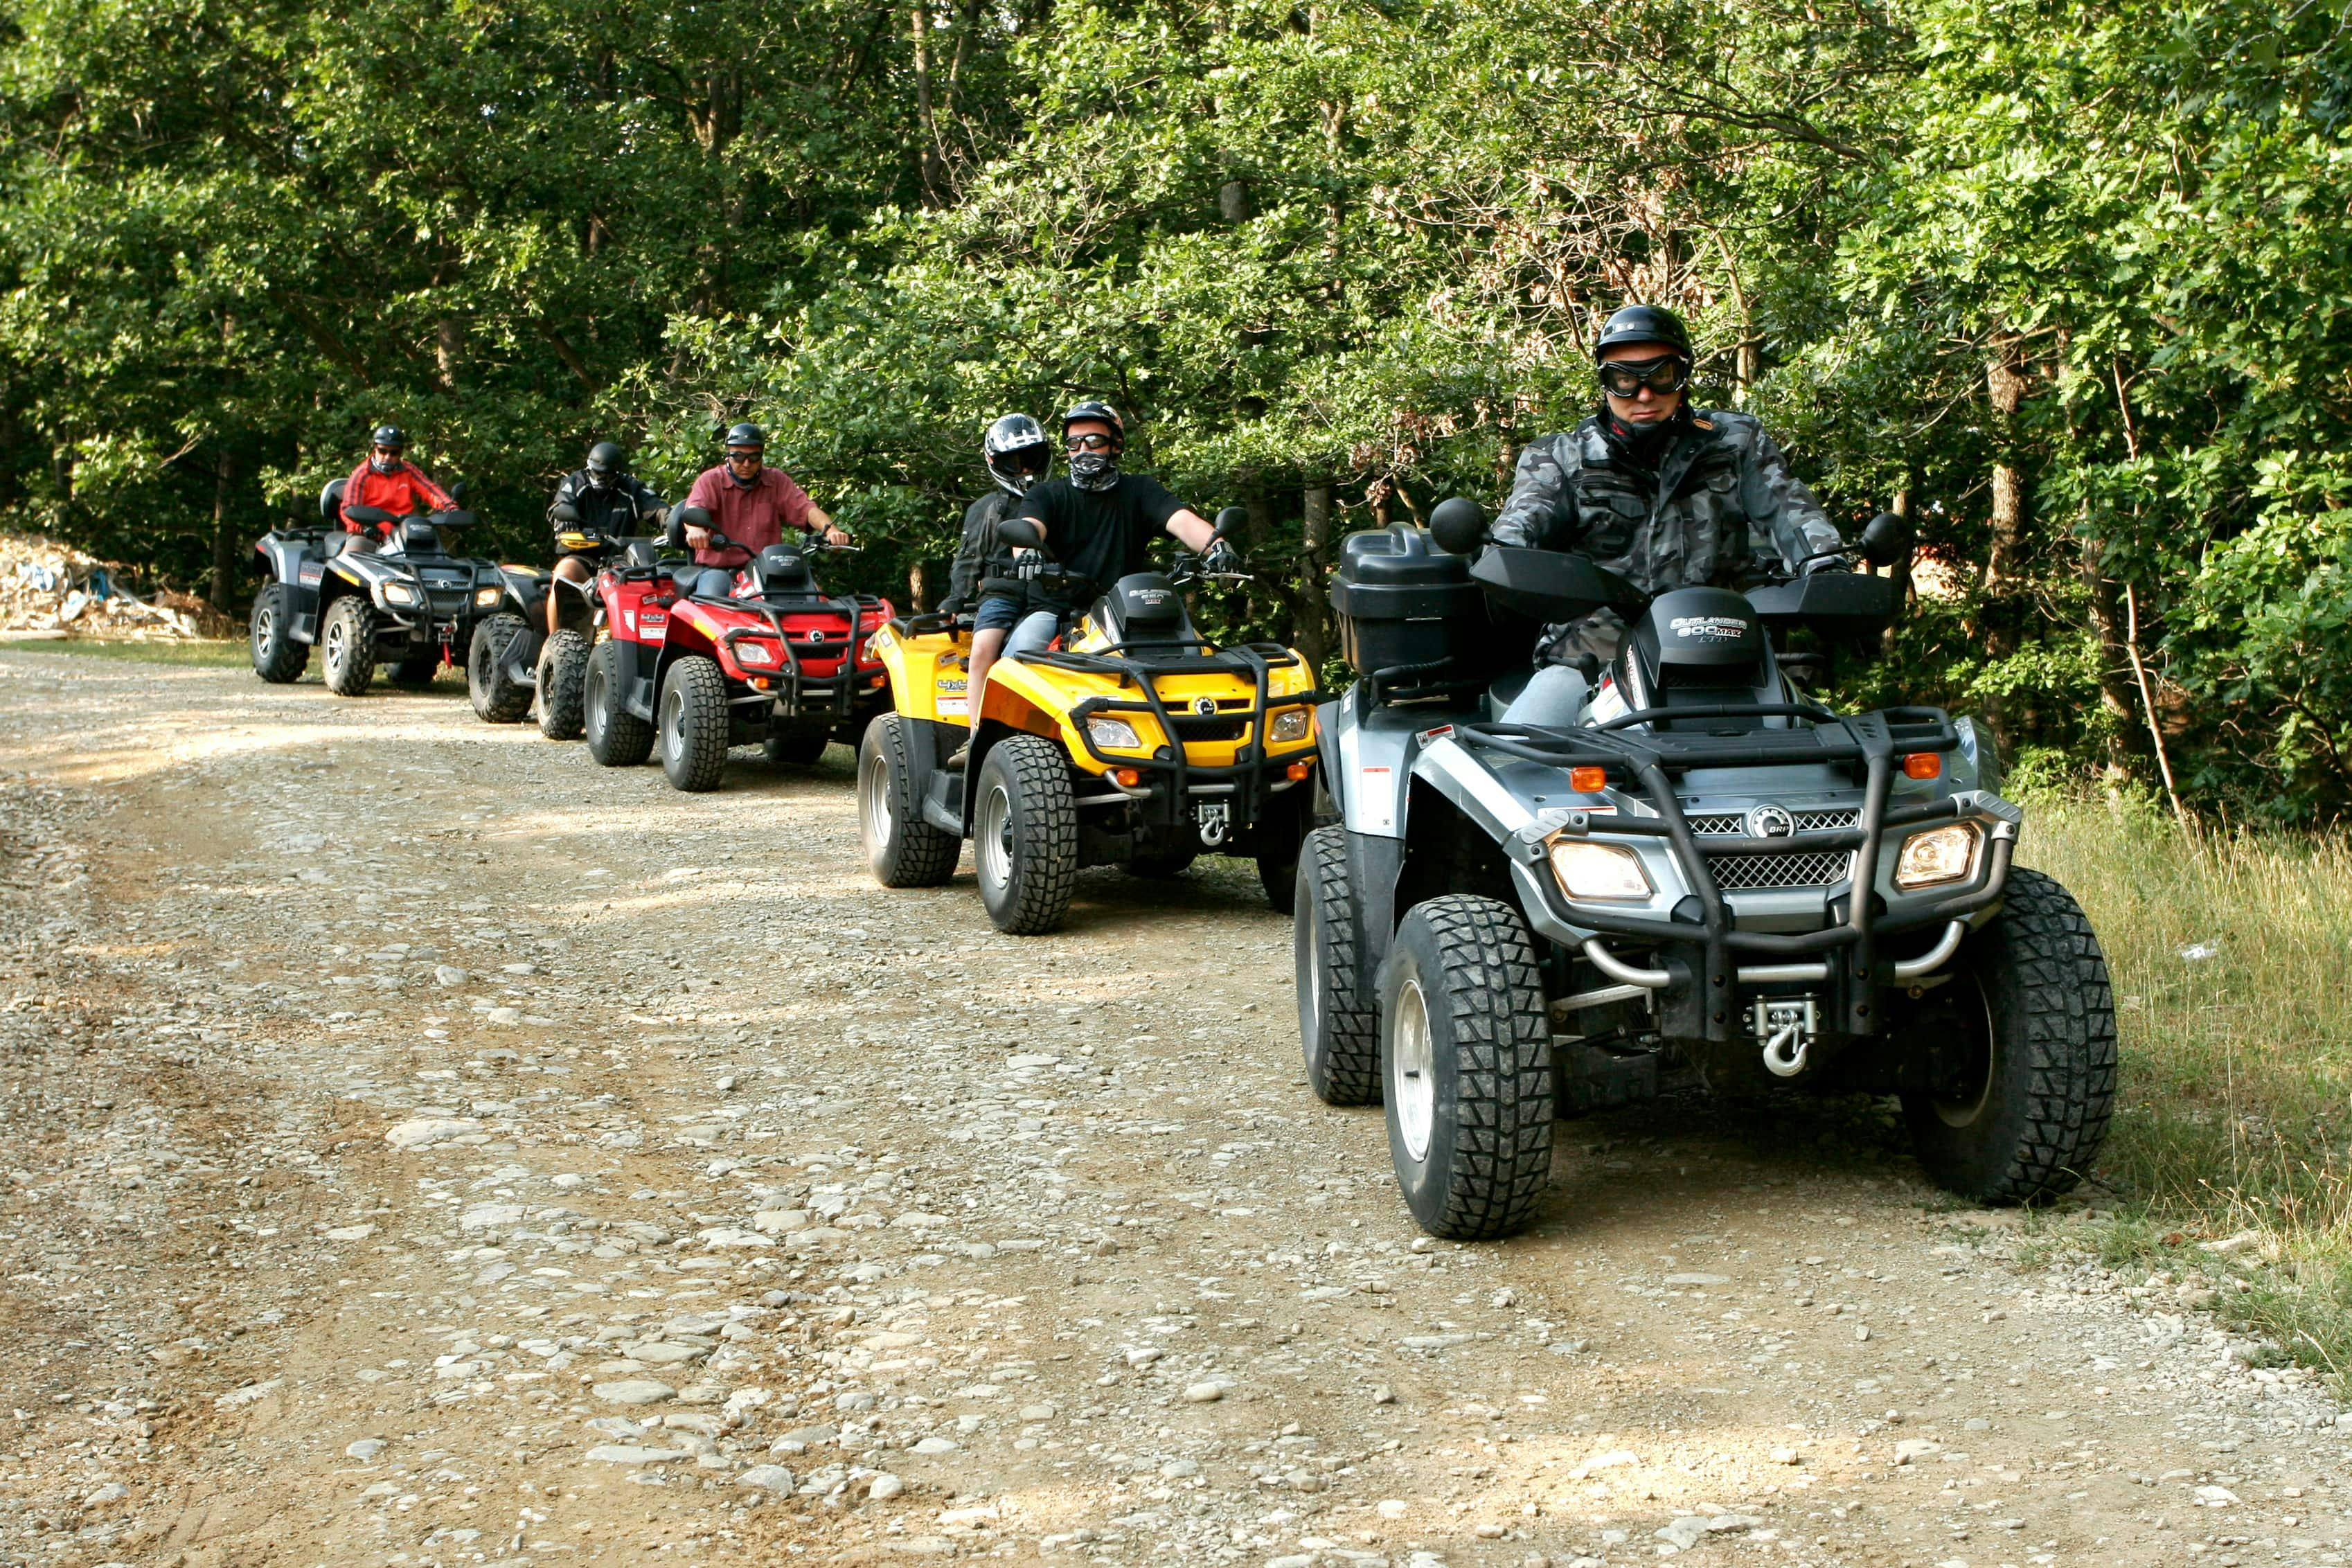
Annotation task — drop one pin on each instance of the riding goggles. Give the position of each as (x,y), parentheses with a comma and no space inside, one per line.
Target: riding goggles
(1666,374)
(1092,441)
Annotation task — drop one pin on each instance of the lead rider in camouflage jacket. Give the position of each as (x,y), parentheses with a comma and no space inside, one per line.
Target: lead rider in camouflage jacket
(1666,498)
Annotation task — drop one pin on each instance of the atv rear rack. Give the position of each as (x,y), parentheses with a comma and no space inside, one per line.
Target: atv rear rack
(1698,998)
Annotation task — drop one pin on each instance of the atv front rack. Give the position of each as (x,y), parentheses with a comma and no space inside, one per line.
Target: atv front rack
(836,695)
(1699,997)
(1244,779)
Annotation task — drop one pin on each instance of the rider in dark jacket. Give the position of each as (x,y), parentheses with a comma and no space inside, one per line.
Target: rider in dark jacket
(1666,496)
(609,500)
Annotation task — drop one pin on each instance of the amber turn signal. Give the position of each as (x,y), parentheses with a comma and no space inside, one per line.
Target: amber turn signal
(1298,770)
(1127,777)
(1923,765)
(1588,780)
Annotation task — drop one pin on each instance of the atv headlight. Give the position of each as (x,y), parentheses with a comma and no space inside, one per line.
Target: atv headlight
(753,653)
(1292,724)
(1589,870)
(484,598)
(399,593)
(1942,855)
(1114,735)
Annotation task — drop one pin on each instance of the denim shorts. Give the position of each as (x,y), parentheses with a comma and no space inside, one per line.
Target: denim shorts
(998,613)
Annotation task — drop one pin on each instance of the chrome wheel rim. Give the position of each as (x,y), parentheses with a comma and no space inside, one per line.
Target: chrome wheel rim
(877,801)
(673,722)
(339,639)
(1310,939)
(264,630)
(1413,1057)
(1962,1110)
(594,695)
(994,838)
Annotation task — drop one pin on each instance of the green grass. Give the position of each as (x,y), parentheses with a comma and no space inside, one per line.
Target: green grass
(223,655)
(2232,957)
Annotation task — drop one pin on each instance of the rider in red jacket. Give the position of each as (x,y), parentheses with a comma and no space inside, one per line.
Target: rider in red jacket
(389,480)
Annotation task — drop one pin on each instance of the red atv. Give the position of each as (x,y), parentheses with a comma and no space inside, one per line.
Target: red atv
(775,661)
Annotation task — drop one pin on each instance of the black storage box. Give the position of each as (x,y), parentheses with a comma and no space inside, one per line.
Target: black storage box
(1403,604)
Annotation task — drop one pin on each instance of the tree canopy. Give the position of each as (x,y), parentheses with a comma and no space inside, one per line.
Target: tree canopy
(2065,282)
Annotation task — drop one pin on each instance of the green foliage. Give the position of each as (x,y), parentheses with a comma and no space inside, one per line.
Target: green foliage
(2068,279)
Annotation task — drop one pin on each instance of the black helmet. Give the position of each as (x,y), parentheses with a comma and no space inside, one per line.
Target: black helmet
(746,435)
(1645,324)
(389,436)
(1093,408)
(1017,453)
(606,464)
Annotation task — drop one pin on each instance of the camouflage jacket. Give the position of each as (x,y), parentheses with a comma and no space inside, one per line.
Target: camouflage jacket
(1720,497)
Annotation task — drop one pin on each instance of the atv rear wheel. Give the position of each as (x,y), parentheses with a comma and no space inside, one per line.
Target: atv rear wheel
(1279,875)
(347,645)
(616,737)
(804,750)
(1338,1033)
(2021,1074)
(904,850)
(1465,1068)
(1026,835)
(498,696)
(563,674)
(278,657)
(693,723)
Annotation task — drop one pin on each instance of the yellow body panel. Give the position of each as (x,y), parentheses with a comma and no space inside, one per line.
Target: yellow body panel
(928,681)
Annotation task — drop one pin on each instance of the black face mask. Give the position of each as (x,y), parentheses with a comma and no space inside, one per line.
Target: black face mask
(1094,470)
(1645,444)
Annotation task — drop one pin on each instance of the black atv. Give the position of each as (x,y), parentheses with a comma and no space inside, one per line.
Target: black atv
(409,604)
(515,659)
(1686,873)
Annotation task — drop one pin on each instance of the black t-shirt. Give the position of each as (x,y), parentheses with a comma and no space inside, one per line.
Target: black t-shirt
(1101,535)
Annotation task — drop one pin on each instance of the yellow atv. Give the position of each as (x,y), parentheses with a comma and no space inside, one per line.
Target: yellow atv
(1131,743)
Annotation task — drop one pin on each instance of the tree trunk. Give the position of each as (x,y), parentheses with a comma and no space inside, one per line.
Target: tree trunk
(2107,624)
(226,537)
(917,595)
(2005,388)
(448,347)
(934,169)
(1316,627)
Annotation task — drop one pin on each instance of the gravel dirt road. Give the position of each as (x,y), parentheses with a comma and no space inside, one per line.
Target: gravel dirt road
(425,1147)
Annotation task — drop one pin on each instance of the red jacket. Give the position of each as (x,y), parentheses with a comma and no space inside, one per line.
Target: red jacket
(403,491)
(754,515)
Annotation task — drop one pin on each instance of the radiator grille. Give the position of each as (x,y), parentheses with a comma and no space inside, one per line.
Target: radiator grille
(1807,869)
(1733,824)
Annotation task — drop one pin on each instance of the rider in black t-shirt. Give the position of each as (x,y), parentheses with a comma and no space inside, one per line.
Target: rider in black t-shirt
(1097,524)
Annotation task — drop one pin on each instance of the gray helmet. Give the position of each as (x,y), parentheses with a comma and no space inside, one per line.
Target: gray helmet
(1017,453)
(389,436)
(1645,324)
(746,435)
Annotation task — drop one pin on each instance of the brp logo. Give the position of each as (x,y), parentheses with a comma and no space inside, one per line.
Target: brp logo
(1769,822)
(1204,706)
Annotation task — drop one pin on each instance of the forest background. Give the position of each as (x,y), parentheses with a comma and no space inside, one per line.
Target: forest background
(2064,282)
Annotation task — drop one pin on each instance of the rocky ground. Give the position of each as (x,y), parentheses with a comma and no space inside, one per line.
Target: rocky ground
(423,1147)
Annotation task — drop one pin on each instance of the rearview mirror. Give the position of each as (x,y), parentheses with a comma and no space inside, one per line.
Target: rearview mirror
(1020,533)
(460,491)
(563,512)
(1231,520)
(1886,541)
(1458,525)
(685,516)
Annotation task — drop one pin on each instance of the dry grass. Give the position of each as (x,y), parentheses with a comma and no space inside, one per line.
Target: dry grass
(2232,955)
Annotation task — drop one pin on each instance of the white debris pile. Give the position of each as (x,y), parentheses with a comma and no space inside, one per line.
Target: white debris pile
(46,586)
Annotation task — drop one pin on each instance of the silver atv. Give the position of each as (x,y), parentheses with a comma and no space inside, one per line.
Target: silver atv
(1691,875)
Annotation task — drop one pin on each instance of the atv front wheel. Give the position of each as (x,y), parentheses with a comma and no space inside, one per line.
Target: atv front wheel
(347,645)
(616,737)
(1465,1068)
(1338,1033)
(904,850)
(693,723)
(563,672)
(1026,835)
(498,696)
(2021,1066)
(1279,875)
(278,657)
(797,750)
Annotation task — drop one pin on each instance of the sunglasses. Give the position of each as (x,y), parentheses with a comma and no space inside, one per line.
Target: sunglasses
(390,451)
(1625,377)
(740,456)
(1090,442)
